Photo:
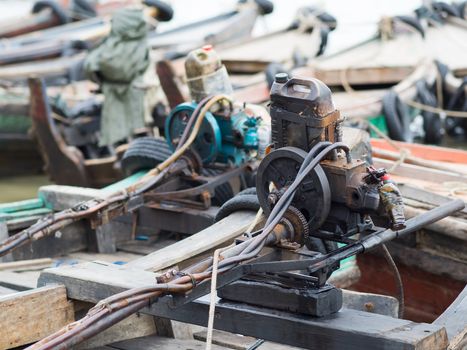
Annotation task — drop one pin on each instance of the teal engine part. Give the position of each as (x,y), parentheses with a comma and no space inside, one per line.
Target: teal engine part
(223,138)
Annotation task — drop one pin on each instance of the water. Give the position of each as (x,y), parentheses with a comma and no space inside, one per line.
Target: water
(21,187)
(356,21)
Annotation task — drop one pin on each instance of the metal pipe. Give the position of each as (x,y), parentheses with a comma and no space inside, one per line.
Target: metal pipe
(380,238)
(414,224)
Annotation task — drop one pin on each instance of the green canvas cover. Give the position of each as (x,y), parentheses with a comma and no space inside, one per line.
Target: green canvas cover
(117,64)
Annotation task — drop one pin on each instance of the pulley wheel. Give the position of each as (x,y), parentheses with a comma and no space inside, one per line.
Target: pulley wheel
(208,140)
(280,168)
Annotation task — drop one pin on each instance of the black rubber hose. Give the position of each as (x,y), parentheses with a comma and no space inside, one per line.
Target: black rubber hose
(249,190)
(413,22)
(397,117)
(446,9)
(56,8)
(237,203)
(457,102)
(432,123)
(266,7)
(222,193)
(85,7)
(144,153)
(165,12)
(329,19)
(461,9)
(324,33)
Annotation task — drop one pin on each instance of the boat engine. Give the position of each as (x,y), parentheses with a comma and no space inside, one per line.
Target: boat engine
(337,197)
(227,135)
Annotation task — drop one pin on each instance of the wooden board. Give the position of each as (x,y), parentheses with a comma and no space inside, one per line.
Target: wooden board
(156,343)
(137,325)
(455,316)
(220,233)
(30,316)
(239,342)
(93,282)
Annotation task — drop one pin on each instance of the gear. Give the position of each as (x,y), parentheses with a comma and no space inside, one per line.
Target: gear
(299,223)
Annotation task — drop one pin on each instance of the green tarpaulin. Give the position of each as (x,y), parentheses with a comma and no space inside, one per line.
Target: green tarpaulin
(117,64)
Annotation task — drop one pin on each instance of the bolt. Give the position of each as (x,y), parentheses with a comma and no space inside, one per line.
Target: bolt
(272,198)
(369,306)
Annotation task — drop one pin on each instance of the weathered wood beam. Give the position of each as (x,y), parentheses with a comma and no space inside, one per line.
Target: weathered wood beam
(29,316)
(218,234)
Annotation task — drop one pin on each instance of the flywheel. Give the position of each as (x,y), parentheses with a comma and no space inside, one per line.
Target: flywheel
(276,173)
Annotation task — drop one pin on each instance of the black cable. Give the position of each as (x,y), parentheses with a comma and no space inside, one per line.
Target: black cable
(397,278)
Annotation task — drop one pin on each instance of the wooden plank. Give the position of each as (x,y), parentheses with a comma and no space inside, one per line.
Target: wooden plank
(103,238)
(239,342)
(5,291)
(32,264)
(21,205)
(429,262)
(29,316)
(144,247)
(175,218)
(232,341)
(425,196)
(418,172)
(460,341)
(218,234)
(71,238)
(369,302)
(156,343)
(96,280)
(454,318)
(348,329)
(137,325)
(452,227)
(19,281)
(58,197)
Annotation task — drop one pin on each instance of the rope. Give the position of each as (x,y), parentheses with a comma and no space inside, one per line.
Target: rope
(404,153)
(441,111)
(215,264)
(455,187)
(212,301)
(255,221)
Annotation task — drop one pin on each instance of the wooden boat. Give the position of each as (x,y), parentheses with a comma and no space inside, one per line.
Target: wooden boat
(366,74)
(247,58)
(371,64)
(20,154)
(48,14)
(65,70)
(57,53)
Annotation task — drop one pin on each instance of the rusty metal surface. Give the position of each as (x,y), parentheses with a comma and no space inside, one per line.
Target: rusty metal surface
(205,184)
